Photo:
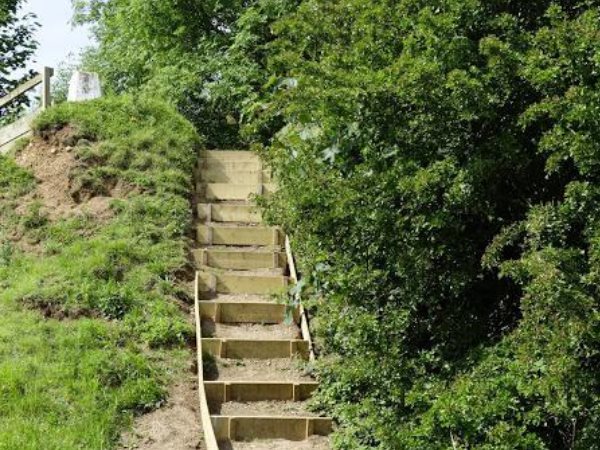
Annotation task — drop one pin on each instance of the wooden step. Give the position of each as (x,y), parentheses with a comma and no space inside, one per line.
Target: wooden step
(223,212)
(228,166)
(240,259)
(229,155)
(219,392)
(233,283)
(255,349)
(240,428)
(227,174)
(230,161)
(227,192)
(248,312)
(239,235)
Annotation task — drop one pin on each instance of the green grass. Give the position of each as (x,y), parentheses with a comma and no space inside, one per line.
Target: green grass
(75,383)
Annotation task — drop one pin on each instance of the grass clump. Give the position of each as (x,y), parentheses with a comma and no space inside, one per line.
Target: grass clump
(90,327)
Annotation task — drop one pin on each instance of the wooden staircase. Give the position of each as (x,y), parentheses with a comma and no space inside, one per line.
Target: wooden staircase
(253,384)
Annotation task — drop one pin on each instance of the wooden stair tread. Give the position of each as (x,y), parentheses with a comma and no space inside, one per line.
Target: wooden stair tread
(254,380)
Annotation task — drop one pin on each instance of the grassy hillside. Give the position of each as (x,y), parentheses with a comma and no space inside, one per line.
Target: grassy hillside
(94,215)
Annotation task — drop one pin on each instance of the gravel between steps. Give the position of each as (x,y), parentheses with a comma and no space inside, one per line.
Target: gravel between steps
(285,369)
(266,408)
(314,443)
(249,331)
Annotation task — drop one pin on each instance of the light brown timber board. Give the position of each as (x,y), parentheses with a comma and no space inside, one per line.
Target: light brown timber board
(254,428)
(233,192)
(225,174)
(226,191)
(254,349)
(224,283)
(209,432)
(229,155)
(265,313)
(215,212)
(240,259)
(218,392)
(238,235)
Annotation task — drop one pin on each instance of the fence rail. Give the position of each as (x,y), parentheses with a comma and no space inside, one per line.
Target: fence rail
(22,127)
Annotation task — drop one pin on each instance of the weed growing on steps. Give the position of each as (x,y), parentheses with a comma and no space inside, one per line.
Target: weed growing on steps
(90,330)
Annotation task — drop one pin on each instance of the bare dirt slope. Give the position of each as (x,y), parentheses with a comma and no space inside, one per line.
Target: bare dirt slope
(175,426)
(55,165)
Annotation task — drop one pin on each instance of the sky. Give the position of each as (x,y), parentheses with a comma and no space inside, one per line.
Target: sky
(56,37)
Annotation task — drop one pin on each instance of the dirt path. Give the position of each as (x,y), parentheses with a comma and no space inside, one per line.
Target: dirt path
(313,443)
(175,426)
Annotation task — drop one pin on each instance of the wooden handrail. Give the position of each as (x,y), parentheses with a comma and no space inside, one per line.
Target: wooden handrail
(42,78)
(304,325)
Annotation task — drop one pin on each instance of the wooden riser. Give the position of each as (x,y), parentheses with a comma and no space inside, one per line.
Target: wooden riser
(254,428)
(230,161)
(219,392)
(238,236)
(254,349)
(239,259)
(223,174)
(226,283)
(229,155)
(228,213)
(220,192)
(263,313)
(229,166)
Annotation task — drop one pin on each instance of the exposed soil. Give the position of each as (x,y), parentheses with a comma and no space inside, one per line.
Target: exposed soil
(266,408)
(313,443)
(249,331)
(285,369)
(175,426)
(53,164)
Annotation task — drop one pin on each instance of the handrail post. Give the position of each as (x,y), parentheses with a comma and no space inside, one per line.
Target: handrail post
(47,73)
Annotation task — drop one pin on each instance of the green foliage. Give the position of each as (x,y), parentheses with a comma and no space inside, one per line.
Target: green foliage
(68,385)
(207,58)
(438,171)
(90,330)
(420,139)
(17,46)
(14,181)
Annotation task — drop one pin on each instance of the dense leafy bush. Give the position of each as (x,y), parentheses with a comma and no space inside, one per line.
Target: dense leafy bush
(438,170)
(420,139)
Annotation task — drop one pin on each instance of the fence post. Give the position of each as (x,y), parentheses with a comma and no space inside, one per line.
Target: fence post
(47,73)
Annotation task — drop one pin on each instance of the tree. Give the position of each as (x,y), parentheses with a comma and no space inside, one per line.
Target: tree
(438,164)
(206,57)
(17,46)
(438,167)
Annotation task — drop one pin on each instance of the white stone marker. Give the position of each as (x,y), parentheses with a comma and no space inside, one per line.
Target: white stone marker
(84,86)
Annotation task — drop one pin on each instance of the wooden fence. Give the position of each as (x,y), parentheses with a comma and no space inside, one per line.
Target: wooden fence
(22,126)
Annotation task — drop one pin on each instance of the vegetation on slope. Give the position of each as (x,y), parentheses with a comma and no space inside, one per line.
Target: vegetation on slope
(90,324)
(438,171)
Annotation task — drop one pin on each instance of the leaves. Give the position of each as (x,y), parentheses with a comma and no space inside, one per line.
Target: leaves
(438,169)
(17,46)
